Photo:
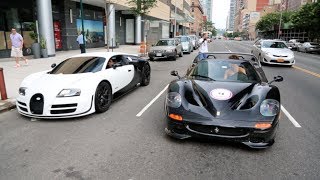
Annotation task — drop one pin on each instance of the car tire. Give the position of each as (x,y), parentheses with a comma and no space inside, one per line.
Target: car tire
(174,57)
(181,54)
(151,58)
(146,74)
(103,97)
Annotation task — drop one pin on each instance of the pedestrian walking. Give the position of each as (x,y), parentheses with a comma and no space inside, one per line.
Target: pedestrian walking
(203,49)
(81,42)
(16,49)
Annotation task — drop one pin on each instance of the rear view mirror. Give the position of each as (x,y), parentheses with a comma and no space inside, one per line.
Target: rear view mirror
(53,65)
(175,73)
(276,79)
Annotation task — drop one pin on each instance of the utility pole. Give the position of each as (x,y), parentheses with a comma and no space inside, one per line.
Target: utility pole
(175,18)
(83,34)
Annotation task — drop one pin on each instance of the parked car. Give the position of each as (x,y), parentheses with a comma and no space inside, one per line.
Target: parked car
(81,85)
(210,102)
(273,52)
(166,48)
(186,44)
(294,43)
(309,47)
(195,41)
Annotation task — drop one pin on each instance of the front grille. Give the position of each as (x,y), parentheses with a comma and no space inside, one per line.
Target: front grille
(21,103)
(279,56)
(64,105)
(23,109)
(275,61)
(62,111)
(219,130)
(36,104)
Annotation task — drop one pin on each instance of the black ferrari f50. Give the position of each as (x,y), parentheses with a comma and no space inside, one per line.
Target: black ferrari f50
(226,97)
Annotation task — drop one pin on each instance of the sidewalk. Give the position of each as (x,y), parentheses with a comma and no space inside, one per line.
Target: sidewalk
(14,76)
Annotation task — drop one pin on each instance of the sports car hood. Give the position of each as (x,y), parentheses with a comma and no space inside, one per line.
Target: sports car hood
(222,95)
(45,83)
(223,100)
(278,51)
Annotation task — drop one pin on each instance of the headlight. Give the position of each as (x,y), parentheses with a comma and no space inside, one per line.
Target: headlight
(170,50)
(173,100)
(22,91)
(269,107)
(69,93)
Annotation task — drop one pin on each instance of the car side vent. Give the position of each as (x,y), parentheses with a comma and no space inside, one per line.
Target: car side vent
(250,102)
(190,99)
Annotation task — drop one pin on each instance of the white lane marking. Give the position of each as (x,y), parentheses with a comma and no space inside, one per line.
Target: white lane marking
(294,122)
(151,102)
(227,48)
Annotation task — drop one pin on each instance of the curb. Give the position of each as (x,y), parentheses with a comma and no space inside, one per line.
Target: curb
(6,106)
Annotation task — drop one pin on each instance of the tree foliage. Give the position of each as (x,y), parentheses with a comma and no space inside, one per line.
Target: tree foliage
(308,18)
(142,7)
(268,21)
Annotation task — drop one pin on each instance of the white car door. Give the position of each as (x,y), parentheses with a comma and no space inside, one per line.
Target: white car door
(121,74)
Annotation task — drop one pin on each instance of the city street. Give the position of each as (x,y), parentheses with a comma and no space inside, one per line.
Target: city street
(128,141)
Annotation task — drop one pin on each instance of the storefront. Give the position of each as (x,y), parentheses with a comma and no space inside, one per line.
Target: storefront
(19,15)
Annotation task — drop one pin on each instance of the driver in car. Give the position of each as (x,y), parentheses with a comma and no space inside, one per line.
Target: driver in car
(234,69)
(110,63)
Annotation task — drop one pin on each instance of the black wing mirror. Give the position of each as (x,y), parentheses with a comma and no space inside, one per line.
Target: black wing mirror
(175,73)
(53,65)
(276,79)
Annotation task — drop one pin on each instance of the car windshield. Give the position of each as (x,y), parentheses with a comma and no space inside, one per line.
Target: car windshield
(165,43)
(184,39)
(79,65)
(225,70)
(273,44)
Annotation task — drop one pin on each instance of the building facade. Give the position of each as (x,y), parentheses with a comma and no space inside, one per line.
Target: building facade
(207,6)
(197,14)
(232,14)
(59,22)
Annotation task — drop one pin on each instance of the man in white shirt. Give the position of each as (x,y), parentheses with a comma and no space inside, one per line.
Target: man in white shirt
(203,46)
(81,42)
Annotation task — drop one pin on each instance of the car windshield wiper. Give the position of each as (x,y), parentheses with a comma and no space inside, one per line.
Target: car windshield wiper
(197,75)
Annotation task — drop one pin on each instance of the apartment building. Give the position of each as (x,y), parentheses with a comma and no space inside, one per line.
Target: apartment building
(197,14)
(231,16)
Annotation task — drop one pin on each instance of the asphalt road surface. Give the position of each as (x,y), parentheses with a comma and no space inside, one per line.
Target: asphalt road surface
(129,142)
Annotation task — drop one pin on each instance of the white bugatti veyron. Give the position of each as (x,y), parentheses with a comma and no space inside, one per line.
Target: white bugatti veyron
(81,85)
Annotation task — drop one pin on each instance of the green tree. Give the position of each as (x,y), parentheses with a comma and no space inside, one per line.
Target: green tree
(308,18)
(142,7)
(268,21)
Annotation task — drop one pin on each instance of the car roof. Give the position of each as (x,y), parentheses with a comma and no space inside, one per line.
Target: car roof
(106,55)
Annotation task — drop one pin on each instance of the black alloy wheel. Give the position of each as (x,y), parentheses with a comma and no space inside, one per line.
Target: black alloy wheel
(146,74)
(103,97)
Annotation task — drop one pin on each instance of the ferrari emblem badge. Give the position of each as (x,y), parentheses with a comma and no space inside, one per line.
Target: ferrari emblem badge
(216,130)
(221,94)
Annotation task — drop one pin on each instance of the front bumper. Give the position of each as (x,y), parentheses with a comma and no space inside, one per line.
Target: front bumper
(251,137)
(59,108)
(279,60)
(161,54)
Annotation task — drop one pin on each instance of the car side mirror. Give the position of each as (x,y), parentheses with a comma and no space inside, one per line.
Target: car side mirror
(53,65)
(276,79)
(175,73)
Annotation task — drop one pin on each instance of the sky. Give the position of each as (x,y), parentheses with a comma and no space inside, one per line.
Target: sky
(220,12)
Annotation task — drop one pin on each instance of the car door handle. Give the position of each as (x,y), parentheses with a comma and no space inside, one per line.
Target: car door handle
(129,70)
